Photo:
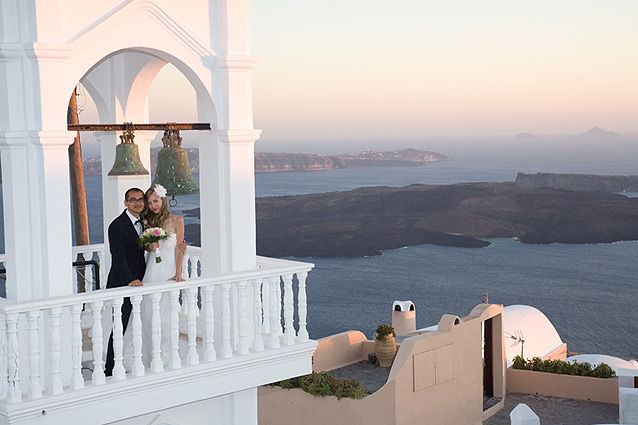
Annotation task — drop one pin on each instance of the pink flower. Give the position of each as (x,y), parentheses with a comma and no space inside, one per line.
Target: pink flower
(156,232)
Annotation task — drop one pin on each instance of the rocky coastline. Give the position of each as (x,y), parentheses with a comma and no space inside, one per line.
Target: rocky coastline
(276,162)
(366,221)
(579,182)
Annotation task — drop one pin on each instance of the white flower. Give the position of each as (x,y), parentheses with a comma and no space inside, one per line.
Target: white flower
(160,190)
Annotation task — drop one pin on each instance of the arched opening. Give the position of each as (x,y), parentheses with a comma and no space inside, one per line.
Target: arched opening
(145,89)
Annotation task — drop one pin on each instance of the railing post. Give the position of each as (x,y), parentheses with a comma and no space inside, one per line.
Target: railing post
(35,388)
(242,345)
(176,362)
(227,349)
(192,358)
(119,373)
(156,333)
(209,324)
(185,272)
(77,381)
(13,358)
(302,306)
(55,375)
(98,347)
(275,320)
(136,321)
(258,342)
(289,309)
(4,373)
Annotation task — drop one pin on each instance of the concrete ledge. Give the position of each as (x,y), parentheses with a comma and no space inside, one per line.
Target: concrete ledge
(565,386)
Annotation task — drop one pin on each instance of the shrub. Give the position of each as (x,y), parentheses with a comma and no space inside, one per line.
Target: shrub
(563,367)
(324,384)
(383,331)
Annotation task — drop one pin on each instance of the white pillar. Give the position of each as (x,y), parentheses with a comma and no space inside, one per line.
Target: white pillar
(37,213)
(243,407)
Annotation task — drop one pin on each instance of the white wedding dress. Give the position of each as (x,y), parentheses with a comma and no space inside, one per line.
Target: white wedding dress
(155,272)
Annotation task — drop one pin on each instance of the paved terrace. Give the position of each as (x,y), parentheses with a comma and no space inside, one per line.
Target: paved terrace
(551,410)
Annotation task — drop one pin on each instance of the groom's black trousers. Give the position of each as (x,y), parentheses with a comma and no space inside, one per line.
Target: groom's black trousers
(110,354)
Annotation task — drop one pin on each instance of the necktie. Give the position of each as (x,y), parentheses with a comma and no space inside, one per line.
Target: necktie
(138,228)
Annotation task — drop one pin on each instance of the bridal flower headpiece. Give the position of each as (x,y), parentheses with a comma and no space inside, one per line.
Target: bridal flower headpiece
(160,190)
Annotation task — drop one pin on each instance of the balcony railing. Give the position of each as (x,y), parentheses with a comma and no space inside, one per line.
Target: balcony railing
(212,319)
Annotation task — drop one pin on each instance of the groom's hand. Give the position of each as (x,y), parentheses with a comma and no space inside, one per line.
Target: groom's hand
(182,246)
(135,282)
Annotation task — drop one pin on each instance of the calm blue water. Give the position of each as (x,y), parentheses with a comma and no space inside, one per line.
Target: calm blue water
(587,291)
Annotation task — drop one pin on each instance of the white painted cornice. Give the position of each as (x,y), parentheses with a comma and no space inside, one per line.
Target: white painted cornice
(47,51)
(235,62)
(232,136)
(128,14)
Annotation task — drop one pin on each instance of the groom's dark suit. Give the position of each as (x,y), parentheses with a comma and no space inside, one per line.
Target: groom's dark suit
(127,264)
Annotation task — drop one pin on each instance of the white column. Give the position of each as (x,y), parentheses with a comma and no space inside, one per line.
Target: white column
(37,213)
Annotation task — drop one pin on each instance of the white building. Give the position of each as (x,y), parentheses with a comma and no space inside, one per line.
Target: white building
(248,328)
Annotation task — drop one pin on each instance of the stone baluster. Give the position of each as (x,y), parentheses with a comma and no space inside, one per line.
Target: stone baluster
(289,310)
(100,259)
(209,324)
(242,318)
(176,362)
(4,373)
(185,273)
(192,357)
(88,274)
(98,346)
(156,333)
(258,342)
(35,389)
(119,373)
(227,349)
(275,327)
(265,302)
(13,358)
(136,322)
(302,307)
(56,365)
(77,381)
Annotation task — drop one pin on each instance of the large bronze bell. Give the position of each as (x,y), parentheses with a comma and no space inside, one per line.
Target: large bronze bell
(173,170)
(127,157)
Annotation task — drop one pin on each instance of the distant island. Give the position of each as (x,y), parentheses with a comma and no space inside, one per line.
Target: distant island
(597,133)
(527,136)
(366,221)
(579,182)
(276,162)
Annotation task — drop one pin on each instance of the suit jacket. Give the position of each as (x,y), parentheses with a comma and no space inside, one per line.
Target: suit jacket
(127,259)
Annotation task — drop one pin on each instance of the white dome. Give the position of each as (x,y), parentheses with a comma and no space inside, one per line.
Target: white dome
(533,327)
(595,359)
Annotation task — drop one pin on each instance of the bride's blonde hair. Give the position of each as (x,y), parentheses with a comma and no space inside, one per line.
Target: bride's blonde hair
(152,219)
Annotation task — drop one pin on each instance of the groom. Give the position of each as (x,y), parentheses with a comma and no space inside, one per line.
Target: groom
(127,264)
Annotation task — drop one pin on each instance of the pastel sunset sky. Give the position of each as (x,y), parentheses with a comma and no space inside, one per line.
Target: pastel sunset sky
(357,69)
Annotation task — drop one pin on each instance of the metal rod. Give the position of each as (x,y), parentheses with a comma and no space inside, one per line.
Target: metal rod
(139,127)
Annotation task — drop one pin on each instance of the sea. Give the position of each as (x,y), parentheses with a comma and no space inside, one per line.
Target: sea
(589,292)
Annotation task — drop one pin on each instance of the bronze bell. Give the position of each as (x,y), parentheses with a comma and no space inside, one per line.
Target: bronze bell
(127,157)
(173,170)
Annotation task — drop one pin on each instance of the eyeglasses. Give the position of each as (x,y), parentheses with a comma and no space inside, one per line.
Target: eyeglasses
(135,200)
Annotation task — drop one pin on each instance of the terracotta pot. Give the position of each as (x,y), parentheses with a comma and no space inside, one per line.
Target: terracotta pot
(385,350)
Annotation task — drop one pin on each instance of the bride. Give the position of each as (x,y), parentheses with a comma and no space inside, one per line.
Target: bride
(170,268)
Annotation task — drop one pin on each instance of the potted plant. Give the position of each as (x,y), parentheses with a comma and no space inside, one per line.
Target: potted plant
(384,346)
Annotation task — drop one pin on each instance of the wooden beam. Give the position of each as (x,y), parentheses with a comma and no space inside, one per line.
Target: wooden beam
(127,126)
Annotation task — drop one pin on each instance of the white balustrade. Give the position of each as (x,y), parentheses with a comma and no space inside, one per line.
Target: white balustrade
(249,320)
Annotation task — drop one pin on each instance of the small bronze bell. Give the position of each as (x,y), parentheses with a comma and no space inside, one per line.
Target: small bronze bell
(127,157)
(173,170)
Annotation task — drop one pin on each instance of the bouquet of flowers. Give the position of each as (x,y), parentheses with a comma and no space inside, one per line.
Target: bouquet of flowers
(152,235)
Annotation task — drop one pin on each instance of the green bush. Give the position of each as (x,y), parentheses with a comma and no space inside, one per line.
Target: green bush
(562,367)
(323,384)
(383,331)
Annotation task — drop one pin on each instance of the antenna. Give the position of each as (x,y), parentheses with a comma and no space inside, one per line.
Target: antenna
(518,339)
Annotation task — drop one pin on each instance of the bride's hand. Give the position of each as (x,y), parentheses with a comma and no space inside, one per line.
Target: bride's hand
(151,247)
(177,278)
